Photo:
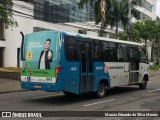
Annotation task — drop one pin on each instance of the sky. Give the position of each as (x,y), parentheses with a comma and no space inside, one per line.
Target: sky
(158,8)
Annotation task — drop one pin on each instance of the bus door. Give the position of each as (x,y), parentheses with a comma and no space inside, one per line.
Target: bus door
(134,65)
(86,64)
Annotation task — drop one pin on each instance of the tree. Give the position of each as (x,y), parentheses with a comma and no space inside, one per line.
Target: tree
(153,30)
(135,35)
(136,32)
(6,13)
(118,12)
(100,8)
(157,39)
(146,30)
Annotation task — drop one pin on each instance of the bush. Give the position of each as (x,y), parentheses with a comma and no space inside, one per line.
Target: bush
(154,67)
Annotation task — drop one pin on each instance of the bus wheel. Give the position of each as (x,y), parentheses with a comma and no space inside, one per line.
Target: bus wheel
(143,85)
(101,92)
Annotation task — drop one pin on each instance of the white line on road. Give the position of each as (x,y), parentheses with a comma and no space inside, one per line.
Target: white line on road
(149,81)
(99,102)
(154,90)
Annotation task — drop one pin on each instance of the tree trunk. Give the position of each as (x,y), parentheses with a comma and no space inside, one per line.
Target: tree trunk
(152,52)
(158,53)
(102,7)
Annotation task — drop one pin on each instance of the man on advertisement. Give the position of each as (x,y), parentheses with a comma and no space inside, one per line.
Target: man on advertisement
(46,56)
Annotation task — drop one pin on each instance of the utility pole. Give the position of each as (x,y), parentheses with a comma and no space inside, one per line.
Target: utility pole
(129,20)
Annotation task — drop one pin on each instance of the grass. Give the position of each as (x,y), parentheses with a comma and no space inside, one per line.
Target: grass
(154,67)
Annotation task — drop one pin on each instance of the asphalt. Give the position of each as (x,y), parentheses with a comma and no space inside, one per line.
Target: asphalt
(10,85)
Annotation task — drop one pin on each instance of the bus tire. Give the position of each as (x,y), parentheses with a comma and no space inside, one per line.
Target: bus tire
(143,85)
(101,92)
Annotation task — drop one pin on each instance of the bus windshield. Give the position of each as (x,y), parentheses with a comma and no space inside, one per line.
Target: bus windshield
(41,56)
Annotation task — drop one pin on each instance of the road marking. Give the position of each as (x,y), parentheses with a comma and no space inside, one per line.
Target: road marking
(154,90)
(99,102)
(149,81)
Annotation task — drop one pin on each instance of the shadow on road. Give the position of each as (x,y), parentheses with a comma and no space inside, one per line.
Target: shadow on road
(61,99)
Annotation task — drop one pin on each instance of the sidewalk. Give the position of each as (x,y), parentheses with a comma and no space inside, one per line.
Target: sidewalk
(153,73)
(10,85)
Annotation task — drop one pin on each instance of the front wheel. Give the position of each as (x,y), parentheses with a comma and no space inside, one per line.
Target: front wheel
(101,92)
(143,85)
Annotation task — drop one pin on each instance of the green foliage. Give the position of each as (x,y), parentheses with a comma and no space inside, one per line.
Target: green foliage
(123,35)
(144,30)
(6,13)
(154,67)
(118,12)
(135,36)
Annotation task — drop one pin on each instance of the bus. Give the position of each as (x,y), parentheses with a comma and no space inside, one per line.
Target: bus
(76,64)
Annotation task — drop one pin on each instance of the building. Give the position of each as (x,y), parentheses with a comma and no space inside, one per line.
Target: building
(61,15)
(32,17)
(148,9)
(59,11)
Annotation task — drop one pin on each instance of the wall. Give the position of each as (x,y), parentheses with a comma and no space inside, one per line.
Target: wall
(26,25)
(13,36)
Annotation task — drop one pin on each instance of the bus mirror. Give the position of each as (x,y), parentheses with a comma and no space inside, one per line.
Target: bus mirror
(22,46)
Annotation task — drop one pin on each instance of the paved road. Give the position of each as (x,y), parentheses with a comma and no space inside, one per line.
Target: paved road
(117,99)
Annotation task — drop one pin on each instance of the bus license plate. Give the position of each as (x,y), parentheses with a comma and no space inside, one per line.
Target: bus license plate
(37,86)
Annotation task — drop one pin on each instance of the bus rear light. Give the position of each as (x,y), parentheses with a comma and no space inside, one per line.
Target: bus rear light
(57,70)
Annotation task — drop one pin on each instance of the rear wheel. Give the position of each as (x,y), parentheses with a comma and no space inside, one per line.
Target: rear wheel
(143,85)
(101,92)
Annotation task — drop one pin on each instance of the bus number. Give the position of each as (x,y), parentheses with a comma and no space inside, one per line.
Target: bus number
(73,68)
(49,79)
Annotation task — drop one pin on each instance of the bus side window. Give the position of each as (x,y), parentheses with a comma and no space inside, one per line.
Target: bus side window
(119,53)
(98,51)
(124,52)
(106,51)
(143,57)
(134,55)
(113,51)
(71,49)
(89,51)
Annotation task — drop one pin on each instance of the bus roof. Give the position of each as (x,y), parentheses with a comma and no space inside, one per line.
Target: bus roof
(94,37)
(102,38)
